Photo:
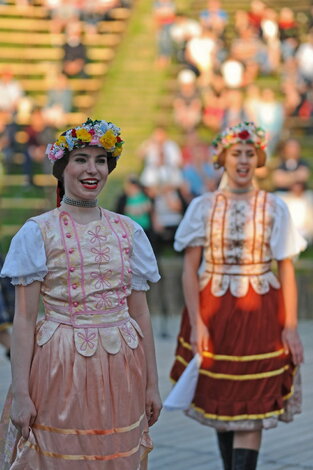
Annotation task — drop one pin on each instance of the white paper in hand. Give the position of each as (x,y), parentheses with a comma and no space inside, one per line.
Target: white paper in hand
(183,391)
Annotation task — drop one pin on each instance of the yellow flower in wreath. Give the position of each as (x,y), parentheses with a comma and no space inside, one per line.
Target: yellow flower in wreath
(62,141)
(108,140)
(84,135)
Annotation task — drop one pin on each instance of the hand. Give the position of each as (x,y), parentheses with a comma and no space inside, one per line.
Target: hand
(199,338)
(153,405)
(23,414)
(292,343)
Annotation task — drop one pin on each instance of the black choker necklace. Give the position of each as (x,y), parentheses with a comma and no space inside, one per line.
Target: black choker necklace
(81,203)
(239,190)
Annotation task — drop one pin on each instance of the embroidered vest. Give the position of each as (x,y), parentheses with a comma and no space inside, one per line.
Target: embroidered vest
(88,281)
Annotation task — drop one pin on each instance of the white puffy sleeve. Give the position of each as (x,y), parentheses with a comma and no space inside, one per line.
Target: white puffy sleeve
(286,241)
(142,262)
(26,258)
(192,229)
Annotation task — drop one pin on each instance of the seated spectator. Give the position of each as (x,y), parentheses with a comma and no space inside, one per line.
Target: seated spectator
(252,102)
(38,133)
(249,49)
(304,57)
(164,16)
(233,72)
(75,53)
(214,17)
(59,98)
(198,170)
(291,167)
(271,37)
(287,23)
(182,30)
(214,105)
(200,55)
(61,13)
(256,15)
(234,111)
(187,103)
(241,21)
(300,204)
(270,115)
(10,92)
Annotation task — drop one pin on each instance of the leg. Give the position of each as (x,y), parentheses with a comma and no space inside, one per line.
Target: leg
(246,449)
(225,444)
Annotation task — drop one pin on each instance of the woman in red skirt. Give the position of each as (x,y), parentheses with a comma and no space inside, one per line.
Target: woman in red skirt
(239,316)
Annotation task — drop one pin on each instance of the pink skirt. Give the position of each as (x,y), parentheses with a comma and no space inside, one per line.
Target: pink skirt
(90,410)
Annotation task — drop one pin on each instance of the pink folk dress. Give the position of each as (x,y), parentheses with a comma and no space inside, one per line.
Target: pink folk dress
(88,371)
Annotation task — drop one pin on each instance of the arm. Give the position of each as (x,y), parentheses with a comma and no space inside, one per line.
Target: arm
(290,335)
(199,338)
(139,310)
(23,411)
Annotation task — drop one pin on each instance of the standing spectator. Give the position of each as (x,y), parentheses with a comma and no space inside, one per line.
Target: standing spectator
(291,168)
(187,104)
(164,16)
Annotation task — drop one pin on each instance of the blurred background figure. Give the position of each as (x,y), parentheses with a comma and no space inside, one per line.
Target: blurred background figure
(187,105)
(299,200)
(136,204)
(270,116)
(75,53)
(291,167)
(214,17)
(198,170)
(162,159)
(164,16)
(10,92)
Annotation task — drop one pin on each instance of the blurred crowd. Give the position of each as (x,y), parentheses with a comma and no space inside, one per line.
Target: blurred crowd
(256,65)
(27,124)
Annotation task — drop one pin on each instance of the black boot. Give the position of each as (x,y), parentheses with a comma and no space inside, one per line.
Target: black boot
(245,459)
(225,444)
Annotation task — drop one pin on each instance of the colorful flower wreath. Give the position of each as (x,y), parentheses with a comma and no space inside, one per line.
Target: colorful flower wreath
(98,133)
(245,132)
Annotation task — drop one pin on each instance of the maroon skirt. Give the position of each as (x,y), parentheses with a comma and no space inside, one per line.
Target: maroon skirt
(245,375)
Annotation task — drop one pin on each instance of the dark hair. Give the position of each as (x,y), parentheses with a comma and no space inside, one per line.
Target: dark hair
(60,165)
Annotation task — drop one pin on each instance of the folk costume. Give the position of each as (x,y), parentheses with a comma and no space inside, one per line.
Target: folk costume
(246,379)
(88,371)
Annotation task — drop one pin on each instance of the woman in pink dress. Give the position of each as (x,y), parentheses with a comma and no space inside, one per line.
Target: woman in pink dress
(84,389)
(239,316)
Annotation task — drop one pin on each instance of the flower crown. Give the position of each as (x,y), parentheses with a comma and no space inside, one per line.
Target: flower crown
(244,133)
(99,133)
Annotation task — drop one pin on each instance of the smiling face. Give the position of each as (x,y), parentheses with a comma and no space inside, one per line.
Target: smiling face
(240,163)
(86,173)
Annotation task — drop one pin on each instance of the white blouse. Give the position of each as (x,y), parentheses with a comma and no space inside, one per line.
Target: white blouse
(240,238)
(26,259)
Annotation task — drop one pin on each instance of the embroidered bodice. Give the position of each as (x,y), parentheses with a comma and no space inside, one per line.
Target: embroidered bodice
(240,239)
(87,277)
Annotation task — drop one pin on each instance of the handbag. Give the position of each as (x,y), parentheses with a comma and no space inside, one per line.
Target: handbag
(181,395)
